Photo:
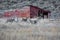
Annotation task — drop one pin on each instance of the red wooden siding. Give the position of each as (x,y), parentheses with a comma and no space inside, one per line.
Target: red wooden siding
(25,12)
(33,11)
(7,14)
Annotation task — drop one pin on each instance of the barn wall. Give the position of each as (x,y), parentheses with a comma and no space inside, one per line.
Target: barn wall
(33,12)
(22,13)
(8,14)
(25,12)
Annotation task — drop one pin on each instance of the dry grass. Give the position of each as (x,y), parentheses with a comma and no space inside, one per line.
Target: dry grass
(29,32)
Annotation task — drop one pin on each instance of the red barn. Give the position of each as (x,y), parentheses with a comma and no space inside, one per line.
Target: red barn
(28,12)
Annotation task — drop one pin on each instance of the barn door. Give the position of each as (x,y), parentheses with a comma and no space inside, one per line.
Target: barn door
(45,15)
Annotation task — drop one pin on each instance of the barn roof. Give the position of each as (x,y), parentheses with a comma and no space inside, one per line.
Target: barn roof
(39,8)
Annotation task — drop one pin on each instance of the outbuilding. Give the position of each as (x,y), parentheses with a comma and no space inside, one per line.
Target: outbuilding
(28,11)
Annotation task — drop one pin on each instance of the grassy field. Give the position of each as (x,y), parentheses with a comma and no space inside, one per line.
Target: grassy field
(42,31)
